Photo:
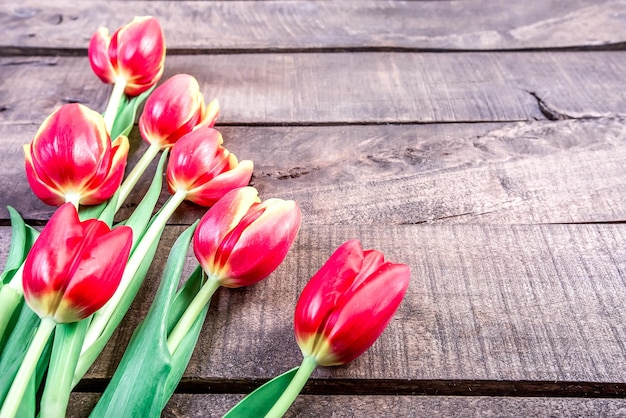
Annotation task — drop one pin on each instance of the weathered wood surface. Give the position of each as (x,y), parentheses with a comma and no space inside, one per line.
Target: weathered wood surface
(527,172)
(205,406)
(339,88)
(508,148)
(66,26)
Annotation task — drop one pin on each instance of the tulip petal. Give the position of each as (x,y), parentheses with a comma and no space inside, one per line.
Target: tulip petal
(98,52)
(218,222)
(208,193)
(363,316)
(45,265)
(49,195)
(320,296)
(79,299)
(263,244)
(172,110)
(101,189)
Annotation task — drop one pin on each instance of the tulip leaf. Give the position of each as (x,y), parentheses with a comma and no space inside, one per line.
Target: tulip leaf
(259,402)
(126,114)
(139,383)
(22,238)
(91,211)
(138,221)
(16,347)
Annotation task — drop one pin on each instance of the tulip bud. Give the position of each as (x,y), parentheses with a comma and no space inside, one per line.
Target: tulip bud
(173,109)
(205,170)
(241,240)
(74,267)
(73,159)
(135,53)
(348,303)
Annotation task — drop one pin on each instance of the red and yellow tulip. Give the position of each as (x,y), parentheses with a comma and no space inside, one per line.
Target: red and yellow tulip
(135,53)
(201,167)
(74,267)
(174,109)
(241,240)
(73,159)
(348,303)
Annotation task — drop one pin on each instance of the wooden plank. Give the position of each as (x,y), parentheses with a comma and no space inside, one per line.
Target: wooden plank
(335,88)
(496,304)
(201,406)
(37,26)
(536,172)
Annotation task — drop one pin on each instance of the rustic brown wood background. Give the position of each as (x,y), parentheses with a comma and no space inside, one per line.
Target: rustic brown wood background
(482,143)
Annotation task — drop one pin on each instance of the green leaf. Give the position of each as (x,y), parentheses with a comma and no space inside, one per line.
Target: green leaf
(108,213)
(91,212)
(259,402)
(16,347)
(126,114)
(138,221)
(138,384)
(18,243)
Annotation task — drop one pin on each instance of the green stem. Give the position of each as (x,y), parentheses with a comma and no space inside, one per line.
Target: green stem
(101,318)
(10,297)
(68,340)
(114,103)
(16,393)
(295,386)
(190,315)
(135,174)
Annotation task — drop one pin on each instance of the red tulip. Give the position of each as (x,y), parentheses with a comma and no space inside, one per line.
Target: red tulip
(241,240)
(74,267)
(173,109)
(73,159)
(348,303)
(135,53)
(205,170)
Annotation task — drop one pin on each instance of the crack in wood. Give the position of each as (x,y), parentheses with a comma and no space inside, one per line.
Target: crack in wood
(398,387)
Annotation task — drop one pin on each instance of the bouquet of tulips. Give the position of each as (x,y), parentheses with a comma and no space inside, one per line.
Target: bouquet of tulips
(66,288)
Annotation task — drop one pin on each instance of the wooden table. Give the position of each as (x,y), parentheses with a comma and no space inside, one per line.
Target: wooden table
(483,144)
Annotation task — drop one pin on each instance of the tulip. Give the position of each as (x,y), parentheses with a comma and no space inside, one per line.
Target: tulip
(135,54)
(238,242)
(72,158)
(348,303)
(341,312)
(202,170)
(241,240)
(69,273)
(175,108)
(71,270)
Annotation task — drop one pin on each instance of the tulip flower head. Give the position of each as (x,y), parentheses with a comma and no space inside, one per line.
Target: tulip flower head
(73,159)
(348,303)
(201,167)
(135,53)
(175,108)
(74,267)
(241,240)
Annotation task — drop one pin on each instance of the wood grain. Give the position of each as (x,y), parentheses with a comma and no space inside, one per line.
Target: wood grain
(66,26)
(201,406)
(335,88)
(500,304)
(527,172)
